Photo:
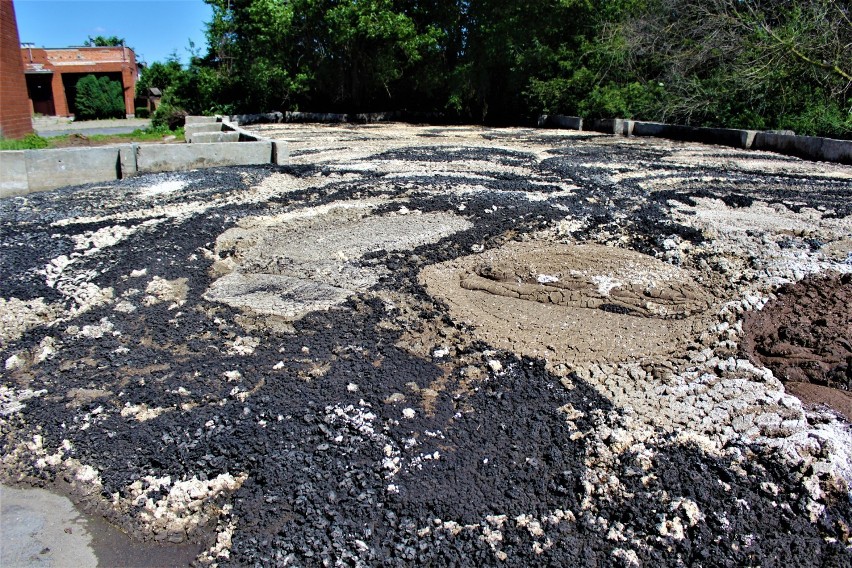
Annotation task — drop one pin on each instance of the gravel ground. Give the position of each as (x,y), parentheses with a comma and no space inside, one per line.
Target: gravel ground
(443,346)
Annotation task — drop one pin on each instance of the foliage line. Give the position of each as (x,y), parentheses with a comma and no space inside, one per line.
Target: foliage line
(767,64)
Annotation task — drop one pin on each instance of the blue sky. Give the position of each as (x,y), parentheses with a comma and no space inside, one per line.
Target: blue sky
(153,28)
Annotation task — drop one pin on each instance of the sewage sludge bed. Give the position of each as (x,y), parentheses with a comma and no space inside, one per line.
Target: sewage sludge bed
(454,346)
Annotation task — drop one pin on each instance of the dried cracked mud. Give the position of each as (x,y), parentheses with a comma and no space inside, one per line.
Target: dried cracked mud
(443,346)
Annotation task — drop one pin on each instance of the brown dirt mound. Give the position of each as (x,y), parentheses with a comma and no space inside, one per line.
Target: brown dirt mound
(805,334)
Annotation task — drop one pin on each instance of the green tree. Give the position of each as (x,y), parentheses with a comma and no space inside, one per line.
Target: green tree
(748,63)
(347,55)
(98,97)
(103,41)
(160,75)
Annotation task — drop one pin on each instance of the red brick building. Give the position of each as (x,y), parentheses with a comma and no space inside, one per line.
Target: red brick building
(15,113)
(52,75)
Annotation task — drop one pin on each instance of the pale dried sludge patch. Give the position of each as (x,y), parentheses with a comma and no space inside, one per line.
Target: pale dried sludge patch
(290,265)
(572,304)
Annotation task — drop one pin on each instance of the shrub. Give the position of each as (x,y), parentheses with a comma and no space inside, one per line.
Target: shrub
(617,101)
(168,116)
(98,98)
(819,118)
(142,112)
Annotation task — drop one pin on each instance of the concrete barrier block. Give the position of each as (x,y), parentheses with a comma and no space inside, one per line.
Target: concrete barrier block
(642,128)
(618,126)
(127,160)
(294,116)
(560,121)
(280,153)
(374,117)
(49,169)
(772,142)
(605,125)
(733,137)
(809,147)
(839,151)
(191,129)
(178,157)
(661,130)
(13,173)
(212,137)
(244,135)
(193,120)
(721,136)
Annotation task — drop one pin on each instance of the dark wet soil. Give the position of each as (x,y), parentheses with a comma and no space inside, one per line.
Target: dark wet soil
(805,334)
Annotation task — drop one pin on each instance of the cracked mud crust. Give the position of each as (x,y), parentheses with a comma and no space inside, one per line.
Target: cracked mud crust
(448,346)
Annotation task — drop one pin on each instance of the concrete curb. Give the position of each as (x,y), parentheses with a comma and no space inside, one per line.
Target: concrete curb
(813,148)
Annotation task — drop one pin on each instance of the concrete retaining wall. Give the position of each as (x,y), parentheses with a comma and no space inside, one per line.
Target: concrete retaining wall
(560,121)
(13,173)
(152,158)
(27,171)
(47,169)
(809,147)
(210,137)
(786,142)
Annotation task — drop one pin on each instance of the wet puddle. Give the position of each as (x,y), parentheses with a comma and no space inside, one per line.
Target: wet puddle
(39,527)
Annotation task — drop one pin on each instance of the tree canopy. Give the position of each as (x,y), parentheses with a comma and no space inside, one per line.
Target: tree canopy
(103,41)
(746,63)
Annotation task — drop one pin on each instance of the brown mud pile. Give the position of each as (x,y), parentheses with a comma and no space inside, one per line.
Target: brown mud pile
(805,336)
(572,304)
